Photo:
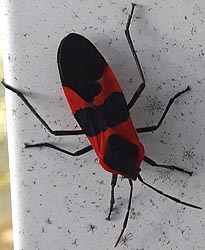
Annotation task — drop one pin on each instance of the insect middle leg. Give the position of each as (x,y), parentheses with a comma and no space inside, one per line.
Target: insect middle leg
(142,85)
(45,144)
(27,103)
(155,127)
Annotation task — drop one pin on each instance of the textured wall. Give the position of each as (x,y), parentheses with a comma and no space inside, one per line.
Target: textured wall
(60,202)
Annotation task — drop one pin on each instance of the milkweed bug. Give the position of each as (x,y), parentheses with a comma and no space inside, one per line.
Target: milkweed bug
(99,106)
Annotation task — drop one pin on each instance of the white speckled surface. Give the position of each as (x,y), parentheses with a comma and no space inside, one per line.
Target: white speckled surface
(60,202)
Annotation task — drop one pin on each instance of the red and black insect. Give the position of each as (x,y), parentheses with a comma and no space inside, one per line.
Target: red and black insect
(100,108)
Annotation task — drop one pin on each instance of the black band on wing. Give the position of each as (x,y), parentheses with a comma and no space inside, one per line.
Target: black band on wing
(91,121)
(114,109)
(94,120)
(80,65)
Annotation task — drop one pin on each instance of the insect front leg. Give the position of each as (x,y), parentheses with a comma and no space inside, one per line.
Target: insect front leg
(142,85)
(27,103)
(112,199)
(171,167)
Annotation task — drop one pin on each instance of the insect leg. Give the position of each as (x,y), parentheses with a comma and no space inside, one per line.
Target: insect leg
(45,144)
(171,167)
(27,103)
(112,200)
(142,85)
(155,127)
(127,215)
(167,195)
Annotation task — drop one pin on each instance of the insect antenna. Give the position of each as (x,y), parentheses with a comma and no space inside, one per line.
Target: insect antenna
(167,195)
(127,215)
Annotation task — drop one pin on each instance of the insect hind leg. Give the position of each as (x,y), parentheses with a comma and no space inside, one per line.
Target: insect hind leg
(27,103)
(142,85)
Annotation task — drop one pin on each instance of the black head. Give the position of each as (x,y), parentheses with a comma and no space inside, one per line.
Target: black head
(122,155)
(80,65)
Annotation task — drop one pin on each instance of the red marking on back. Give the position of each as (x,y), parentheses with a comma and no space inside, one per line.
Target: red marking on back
(125,129)
(109,85)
